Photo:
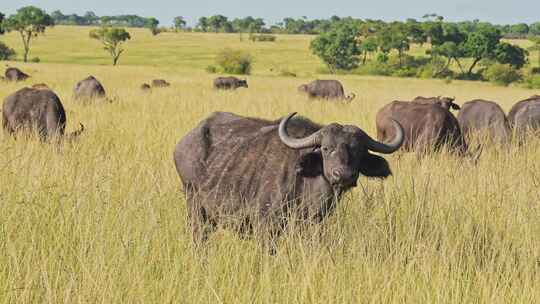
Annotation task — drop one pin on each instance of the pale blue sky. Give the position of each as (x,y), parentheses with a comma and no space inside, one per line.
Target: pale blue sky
(496,11)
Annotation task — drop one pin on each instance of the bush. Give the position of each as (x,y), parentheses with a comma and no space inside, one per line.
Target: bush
(502,74)
(435,68)
(407,61)
(35,60)
(6,53)
(263,38)
(211,69)
(532,82)
(535,70)
(405,71)
(382,58)
(374,68)
(234,62)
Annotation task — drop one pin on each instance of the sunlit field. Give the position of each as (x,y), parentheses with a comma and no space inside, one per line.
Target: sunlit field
(103,220)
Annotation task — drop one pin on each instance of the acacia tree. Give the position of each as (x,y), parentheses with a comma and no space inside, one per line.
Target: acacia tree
(481,44)
(394,36)
(179,23)
(338,48)
(513,55)
(203,24)
(152,24)
(29,21)
(368,46)
(112,39)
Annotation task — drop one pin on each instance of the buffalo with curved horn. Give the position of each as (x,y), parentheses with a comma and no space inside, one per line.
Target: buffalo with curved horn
(254,174)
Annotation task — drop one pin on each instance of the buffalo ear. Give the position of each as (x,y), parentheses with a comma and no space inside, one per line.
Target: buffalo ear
(374,166)
(310,164)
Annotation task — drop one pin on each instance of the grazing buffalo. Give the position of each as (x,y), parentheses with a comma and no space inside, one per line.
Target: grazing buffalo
(88,88)
(482,115)
(514,110)
(160,83)
(527,118)
(325,89)
(427,126)
(264,173)
(229,83)
(14,74)
(35,109)
(445,102)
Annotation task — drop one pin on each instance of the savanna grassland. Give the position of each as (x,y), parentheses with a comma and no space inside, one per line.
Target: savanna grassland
(103,220)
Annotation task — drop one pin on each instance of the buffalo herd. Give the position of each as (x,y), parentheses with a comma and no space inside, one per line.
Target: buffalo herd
(257,175)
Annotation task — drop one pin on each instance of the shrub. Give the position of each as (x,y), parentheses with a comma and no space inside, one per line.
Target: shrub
(6,53)
(211,69)
(374,68)
(263,38)
(535,70)
(382,57)
(502,74)
(532,82)
(405,71)
(234,62)
(35,60)
(435,69)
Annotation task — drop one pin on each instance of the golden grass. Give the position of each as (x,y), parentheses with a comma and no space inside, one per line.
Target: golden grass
(104,221)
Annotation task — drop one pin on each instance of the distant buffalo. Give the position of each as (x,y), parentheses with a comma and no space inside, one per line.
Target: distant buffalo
(14,74)
(525,115)
(229,83)
(35,109)
(445,102)
(427,126)
(482,115)
(325,89)
(255,174)
(89,88)
(160,83)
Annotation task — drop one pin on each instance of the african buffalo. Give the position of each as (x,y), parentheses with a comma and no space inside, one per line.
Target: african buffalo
(514,110)
(14,74)
(445,102)
(427,126)
(527,118)
(41,86)
(35,109)
(265,173)
(482,115)
(229,83)
(160,83)
(325,89)
(88,88)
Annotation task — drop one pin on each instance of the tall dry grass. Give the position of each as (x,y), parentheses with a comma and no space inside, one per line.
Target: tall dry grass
(103,220)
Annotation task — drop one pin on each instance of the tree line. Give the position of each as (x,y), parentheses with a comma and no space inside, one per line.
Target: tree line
(220,23)
(91,19)
(465,50)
